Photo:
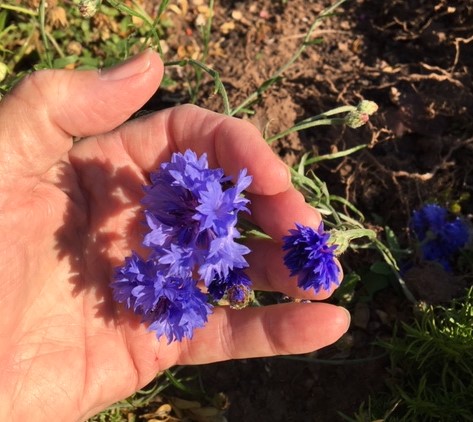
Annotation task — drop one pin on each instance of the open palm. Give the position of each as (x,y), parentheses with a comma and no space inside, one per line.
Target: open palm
(69,213)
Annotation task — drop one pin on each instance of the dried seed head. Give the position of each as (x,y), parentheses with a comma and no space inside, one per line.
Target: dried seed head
(88,8)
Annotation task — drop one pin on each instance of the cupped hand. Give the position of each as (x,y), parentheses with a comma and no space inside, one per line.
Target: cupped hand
(71,180)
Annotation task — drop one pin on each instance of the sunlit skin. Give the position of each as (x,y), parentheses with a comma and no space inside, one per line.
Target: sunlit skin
(69,214)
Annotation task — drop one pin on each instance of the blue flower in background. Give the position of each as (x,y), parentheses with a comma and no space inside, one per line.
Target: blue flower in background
(311,258)
(440,237)
(191,213)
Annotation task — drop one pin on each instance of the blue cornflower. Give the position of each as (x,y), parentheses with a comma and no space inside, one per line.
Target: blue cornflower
(171,306)
(192,212)
(440,236)
(311,258)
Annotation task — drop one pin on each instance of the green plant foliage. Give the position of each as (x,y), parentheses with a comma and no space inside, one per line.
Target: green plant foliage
(431,367)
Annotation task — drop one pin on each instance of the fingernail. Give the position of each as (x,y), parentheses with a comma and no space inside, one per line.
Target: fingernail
(130,67)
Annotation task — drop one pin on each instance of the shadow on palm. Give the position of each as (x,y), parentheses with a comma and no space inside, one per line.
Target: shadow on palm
(102,224)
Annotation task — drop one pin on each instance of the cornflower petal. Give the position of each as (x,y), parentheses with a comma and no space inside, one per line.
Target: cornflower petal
(179,309)
(224,255)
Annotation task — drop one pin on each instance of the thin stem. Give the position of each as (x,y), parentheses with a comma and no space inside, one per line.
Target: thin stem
(332,112)
(208,29)
(55,45)
(395,268)
(42,27)
(206,40)
(320,119)
(162,7)
(143,16)
(18,9)
(308,124)
(336,155)
(219,87)
(306,42)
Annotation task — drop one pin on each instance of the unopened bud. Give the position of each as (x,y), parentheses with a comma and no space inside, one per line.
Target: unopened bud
(367,107)
(355,119)
(240,296)
(88,8)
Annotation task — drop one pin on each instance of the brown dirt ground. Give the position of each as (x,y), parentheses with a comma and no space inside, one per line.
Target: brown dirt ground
(415,59)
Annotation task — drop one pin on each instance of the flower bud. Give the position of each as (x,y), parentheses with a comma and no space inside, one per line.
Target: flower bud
(367,107)
(88,8)
(355,119)
(240,296)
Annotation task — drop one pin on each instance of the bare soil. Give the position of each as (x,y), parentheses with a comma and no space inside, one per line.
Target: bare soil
(415,59)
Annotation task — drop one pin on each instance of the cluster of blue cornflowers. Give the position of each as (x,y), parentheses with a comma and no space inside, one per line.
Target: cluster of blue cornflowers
(191,214)
(440,237)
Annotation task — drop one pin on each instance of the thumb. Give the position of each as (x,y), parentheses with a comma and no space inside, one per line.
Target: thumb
(42,114)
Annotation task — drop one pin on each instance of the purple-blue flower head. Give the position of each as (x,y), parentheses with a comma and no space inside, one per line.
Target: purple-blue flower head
(171,306)
(440,236)
(192,212)
(310,257)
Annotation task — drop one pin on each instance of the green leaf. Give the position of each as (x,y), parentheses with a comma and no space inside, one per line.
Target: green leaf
(318,40)
(346,290)
(381,268)
(268,83)
(3,19)
(62,62)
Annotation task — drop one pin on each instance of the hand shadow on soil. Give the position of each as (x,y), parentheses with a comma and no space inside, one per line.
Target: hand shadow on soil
(86,239)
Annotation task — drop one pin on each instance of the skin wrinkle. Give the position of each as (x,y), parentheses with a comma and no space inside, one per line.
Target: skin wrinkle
(17,394)
(36,80)
(266,325)
(227,336)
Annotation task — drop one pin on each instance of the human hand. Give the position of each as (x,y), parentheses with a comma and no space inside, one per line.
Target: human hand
(69,214)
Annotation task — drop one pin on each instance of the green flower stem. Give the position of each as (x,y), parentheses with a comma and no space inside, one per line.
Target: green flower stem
(277,75)
(141,14)
(42,27)
(343,239)
(391,261)
(219,87)
(205,33)
(335,155)
(18,9)
(55,45)
(332,112)
(301,126)
(319,120)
